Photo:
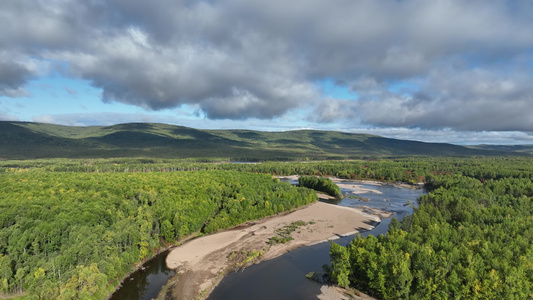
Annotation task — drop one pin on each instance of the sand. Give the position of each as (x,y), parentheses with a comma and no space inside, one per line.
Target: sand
(331,292)
(202,262)
(354,188)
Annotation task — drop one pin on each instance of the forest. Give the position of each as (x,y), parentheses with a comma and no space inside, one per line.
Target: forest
(75,235)
(73,228)
(469,238)
(320,184)
(409,170)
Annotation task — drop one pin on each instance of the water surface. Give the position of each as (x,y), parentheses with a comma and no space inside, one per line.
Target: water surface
(145,284)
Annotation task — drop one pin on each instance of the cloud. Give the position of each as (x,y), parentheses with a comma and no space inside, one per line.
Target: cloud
(241,59)
(7,117)
(111,118)
(451,136)
(471,100)
(101,118)
(13,76)
(332,110)
(71,92)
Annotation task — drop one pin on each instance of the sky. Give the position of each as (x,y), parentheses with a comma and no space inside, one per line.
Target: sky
(455,71)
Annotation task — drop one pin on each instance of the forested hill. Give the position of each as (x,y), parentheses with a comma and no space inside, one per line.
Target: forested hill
(506,148)
(21,140)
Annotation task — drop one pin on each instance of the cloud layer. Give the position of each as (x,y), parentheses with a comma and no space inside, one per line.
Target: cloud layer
(464,65)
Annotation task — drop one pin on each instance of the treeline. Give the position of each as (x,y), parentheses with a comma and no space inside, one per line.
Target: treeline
(471,237)
(75,235)
(411,170)
(320,184)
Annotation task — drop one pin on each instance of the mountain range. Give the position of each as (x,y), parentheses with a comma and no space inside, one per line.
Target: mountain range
(26,140)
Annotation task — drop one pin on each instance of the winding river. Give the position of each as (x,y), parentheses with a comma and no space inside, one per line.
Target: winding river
(283,277)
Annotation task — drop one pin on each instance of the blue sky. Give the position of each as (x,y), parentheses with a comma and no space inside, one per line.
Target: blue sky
(398,69)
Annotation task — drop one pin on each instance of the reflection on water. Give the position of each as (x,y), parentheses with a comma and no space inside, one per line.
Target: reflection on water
(145,284)
(284,277)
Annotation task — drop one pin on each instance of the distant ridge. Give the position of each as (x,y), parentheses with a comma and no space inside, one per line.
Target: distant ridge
(527,149)
(26,140)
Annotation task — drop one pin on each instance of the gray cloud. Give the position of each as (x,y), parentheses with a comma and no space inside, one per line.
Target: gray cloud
(332,110)
(110,118)
(13,76)
(452,136)
(474,100)
(239,59)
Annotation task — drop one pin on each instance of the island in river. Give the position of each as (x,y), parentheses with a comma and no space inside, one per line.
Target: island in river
(201,263)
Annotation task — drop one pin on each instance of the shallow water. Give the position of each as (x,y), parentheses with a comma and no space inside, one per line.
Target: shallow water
(284,277)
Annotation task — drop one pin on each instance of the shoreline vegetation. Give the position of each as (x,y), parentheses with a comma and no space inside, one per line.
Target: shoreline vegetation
(469,238)
(321,184)
(76,235)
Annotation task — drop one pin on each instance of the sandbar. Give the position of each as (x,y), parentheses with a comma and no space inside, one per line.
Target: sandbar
(202,262)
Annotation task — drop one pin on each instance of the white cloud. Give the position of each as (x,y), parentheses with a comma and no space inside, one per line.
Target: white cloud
(7,117)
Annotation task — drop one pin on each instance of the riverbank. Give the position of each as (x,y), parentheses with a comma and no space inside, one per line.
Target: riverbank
(201,263)
(358,189)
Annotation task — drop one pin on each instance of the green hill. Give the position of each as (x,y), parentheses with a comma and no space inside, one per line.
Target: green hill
(21,140)
(528,149)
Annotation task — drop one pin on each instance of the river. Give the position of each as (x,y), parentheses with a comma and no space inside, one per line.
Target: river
(283,277)
(145,283)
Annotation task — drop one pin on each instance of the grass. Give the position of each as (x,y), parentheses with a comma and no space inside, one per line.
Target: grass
(252,255)
(244,258)
(283,235)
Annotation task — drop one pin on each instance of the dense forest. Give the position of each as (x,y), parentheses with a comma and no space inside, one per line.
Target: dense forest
(320,184)
(409,170)
(469,238)
(73,235)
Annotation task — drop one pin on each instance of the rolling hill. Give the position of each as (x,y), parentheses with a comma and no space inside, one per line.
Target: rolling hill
(527,149)
(23,140)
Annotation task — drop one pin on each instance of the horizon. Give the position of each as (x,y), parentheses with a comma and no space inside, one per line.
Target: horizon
(396,69)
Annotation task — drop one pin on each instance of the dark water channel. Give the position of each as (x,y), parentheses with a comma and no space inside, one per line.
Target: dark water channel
(145,284)
(283,277)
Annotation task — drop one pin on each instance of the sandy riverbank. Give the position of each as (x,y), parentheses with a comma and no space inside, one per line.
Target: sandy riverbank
(202,262)
(357,188)
(354,188)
